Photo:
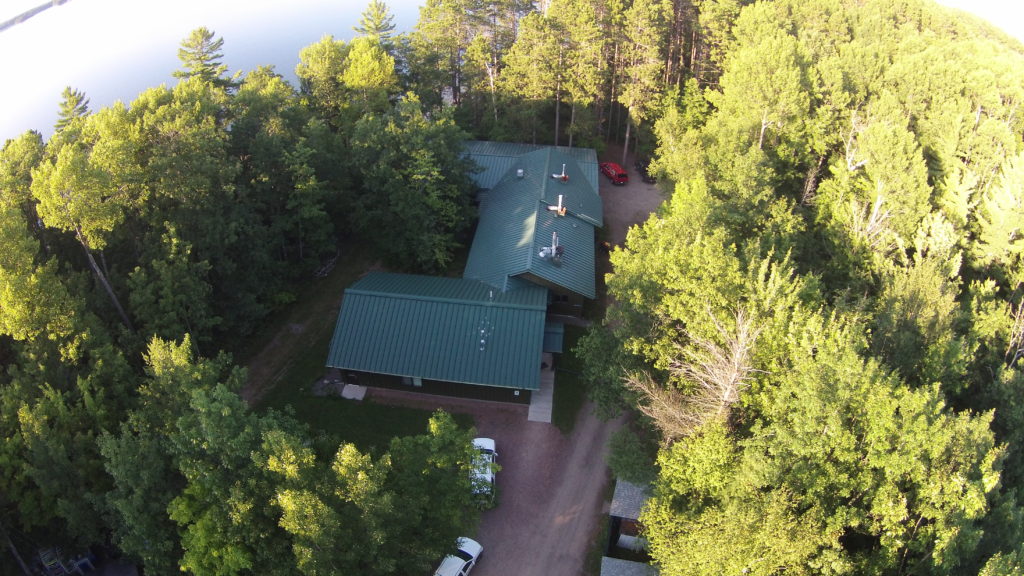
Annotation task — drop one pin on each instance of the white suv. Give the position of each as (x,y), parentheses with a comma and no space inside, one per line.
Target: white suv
(483,468)
(460,563)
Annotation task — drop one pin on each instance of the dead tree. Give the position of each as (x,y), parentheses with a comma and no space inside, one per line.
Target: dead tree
(716,374)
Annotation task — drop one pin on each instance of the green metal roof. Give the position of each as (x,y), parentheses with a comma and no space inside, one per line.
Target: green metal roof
(516,224)
(497,157)
(428,327)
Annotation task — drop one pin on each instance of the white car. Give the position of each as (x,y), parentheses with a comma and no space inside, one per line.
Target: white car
(460,563)
(483,467)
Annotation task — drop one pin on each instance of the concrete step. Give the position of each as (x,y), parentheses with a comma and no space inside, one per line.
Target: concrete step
(542,401)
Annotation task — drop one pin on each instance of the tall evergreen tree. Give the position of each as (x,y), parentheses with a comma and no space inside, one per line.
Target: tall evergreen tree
(200,55)
(645,29)
(377,22)
(73,104)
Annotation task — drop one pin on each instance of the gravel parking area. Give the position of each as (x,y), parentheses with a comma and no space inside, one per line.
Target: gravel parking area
(629,204)
(550,489)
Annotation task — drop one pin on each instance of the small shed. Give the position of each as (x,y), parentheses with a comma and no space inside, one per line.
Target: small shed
(616,567)
(624,517)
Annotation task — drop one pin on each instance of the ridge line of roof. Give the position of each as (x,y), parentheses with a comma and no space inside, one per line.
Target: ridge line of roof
(443,300)
(545,176)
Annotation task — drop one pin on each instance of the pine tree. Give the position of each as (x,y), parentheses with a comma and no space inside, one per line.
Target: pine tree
(200,55)
(73,105)
(376,22)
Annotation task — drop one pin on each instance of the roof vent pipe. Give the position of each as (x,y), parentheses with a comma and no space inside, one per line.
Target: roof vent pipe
(520,173)
(560,209)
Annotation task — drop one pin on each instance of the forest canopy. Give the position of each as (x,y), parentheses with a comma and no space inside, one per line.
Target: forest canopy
(821,330)
(823,324)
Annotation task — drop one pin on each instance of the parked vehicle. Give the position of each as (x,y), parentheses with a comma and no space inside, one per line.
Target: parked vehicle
(460,563)
(642,168)
(483,469)
(614,172)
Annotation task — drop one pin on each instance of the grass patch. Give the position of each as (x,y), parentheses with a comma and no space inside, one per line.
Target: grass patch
(337,420)
(570,388)
(367,425)
(312,299)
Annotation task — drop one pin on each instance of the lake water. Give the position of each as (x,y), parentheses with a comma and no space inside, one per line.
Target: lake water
(114,49)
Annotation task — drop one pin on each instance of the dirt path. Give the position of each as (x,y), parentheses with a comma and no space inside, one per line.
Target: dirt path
(304,326)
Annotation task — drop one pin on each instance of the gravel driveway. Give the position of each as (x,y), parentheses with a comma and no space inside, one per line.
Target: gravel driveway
(550,490)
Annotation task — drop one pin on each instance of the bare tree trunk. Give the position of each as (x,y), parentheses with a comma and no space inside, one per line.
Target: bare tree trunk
(1015,349)
(533,125)
(674,42)
(693,55)
(558,110)
(106,285)
(494,101)
(611,100)
(103,262)
(811,182)
(572,123)
(625,143)
(14,552)
(558,99)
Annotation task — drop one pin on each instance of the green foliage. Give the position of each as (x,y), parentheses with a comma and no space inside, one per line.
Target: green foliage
(645,27)
(764,93)
(1004,565)
(534,70)
(319,71)
(370,75)
(226,528)
(139,455)
(396,513)
(415,185)
(631,456)
(851,469)
(999,218)
(174,296)
(864,437)
(829,164)
(60,484)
